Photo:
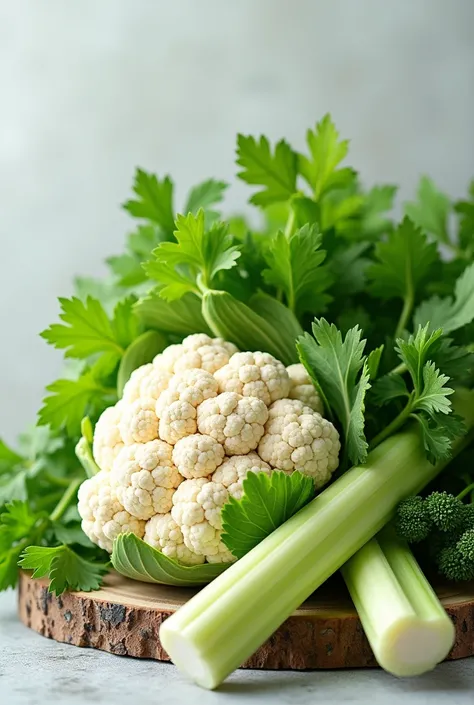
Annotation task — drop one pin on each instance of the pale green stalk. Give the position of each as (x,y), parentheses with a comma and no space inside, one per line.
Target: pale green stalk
(219,628)
(405,623)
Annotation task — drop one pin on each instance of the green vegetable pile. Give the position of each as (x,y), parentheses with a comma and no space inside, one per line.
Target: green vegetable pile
(380,313)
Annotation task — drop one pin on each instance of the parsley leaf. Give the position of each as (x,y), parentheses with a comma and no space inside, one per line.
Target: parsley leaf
(404,261)
(430,212)
(334,365)
(65,569)
(416,351)
(266,503)
(438,432)
(197,251)
(295,267)
(326,152)
(154,200)
(465,210)
(205,195)
(448,313)
(182,317)
(16,521)
(127,267)
(387,388)
(8,457)
(275,172)
(377,203)
(71,400)
(86,330)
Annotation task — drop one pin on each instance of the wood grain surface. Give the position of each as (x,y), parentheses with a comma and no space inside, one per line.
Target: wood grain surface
(124,618)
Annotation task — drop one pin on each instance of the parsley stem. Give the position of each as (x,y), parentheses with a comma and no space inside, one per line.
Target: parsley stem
(408,304)
(394,425)
(467,490)
(399,369)
(65,500)
(290,224)
(58,481)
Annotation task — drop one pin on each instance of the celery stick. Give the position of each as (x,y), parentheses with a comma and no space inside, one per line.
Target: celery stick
(405,623)
(219,628)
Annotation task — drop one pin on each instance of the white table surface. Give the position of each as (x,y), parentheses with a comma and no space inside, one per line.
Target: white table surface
(38,671)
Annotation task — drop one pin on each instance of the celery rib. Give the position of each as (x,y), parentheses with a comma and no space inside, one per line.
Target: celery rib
(405,623)
(219,628)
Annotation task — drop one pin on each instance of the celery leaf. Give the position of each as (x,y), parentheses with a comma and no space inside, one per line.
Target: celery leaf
(294,265)
(266,503)
(334,365)
(274,171)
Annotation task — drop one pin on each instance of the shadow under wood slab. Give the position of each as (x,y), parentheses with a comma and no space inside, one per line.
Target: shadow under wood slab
(124,618)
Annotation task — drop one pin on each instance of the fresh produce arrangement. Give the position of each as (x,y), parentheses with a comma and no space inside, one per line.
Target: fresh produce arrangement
(251,404)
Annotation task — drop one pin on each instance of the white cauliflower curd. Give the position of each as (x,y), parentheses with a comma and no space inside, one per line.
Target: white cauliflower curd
(235,421)
(302,388)
(146,478)
(103,515)
(254,374)
(298,438)
(108,441)
(190,427)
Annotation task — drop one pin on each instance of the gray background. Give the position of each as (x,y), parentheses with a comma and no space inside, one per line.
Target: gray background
(90,89)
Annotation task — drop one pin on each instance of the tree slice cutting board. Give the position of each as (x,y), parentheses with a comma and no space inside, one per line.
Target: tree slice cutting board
(124,618)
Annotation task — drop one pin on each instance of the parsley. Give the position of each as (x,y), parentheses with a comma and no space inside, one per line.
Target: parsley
(431,211)
(266,503)
(450,314)
(274,172)
(154,200)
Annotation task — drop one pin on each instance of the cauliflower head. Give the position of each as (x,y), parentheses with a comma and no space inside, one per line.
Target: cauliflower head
(298,438)
(139,422)
(108,441)
(254,374)
(197,351)
(146,478)
(197,455)
(146,382)
(164,534)
(235,421)
(103,516)
(302,388)
(196,509)
(234,470)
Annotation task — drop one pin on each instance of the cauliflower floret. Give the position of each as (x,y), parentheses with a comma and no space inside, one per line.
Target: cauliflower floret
(197,506)
(139,423)
(176,408)
(103,516)
(223,555)
(146,478)
(197,455)
(233,472)
(298,438)
(254,374)
(196,351)
(108,441)
(147,381)
(235,421)
(163,533)
(302,388)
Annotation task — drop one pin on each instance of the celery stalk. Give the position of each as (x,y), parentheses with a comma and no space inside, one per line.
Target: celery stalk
(219,628)
(405,623)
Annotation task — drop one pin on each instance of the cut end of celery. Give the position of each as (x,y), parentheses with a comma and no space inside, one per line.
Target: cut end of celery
(412,647)
(187,658)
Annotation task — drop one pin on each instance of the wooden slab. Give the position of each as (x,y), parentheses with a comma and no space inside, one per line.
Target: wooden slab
(124,618)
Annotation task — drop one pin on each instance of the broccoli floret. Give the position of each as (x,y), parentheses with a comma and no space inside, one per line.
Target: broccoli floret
(445,510)
(412,521)
(438,540)
(468,516)
(454,566)
(465,545)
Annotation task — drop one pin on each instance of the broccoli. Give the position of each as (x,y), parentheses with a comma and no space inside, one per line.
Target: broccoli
(412,521)
(445,510)
(465,545)
(454,566)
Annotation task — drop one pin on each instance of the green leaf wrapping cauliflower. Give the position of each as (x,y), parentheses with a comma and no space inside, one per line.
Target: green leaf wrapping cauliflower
(190,426)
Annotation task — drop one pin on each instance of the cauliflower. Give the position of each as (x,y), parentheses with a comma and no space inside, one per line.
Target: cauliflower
(103,516)
(196,509)
(235,421)
(146,478)
(164,534)
(233,472)
(197,455)
(298,438)
(176,408)
(196,351)
(254,374)
(147,381)
(108,441)
(302,388)
(139,423)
